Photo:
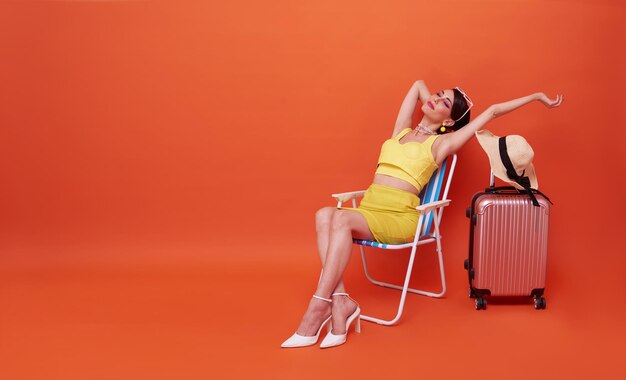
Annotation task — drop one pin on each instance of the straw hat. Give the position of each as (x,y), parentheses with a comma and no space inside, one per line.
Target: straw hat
(520,154)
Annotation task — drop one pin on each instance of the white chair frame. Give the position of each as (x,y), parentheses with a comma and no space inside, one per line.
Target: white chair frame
(432,210)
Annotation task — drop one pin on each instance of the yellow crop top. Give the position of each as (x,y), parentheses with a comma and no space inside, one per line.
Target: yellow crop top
(411,161)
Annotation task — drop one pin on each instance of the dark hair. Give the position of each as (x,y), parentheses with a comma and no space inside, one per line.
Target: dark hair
(459,106)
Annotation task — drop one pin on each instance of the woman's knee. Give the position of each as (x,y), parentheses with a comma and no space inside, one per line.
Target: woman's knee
(340,220)
(324,216)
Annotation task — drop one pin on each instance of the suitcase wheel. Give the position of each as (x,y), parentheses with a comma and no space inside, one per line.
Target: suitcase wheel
(480,303)
(540,303)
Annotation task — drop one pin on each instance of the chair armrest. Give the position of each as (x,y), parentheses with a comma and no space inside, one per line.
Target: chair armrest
(343,197)
(428,207)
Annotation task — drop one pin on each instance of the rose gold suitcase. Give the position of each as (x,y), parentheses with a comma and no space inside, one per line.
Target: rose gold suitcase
(508,245)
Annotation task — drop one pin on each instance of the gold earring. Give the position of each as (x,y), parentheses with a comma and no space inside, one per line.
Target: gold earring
(442,129)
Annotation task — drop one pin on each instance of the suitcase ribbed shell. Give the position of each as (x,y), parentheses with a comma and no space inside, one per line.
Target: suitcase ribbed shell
(510,244)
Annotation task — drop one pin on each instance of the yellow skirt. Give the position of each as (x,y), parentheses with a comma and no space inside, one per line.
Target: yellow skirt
(390,213)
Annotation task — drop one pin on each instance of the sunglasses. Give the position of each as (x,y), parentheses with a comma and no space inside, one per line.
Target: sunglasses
(467,99)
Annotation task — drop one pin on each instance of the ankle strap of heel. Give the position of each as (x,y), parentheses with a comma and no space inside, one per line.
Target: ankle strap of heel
(347,295)
(322,298)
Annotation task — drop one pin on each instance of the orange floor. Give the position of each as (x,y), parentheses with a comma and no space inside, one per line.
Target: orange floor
(177,312)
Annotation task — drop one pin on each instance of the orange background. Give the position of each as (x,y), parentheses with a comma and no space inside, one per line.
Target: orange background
(161,164)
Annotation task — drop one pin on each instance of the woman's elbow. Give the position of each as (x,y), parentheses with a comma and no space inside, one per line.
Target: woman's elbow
(493,111)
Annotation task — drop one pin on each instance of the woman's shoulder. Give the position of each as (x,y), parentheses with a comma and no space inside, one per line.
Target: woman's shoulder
(401,134)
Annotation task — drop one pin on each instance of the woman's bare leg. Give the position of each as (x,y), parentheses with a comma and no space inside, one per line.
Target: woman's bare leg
(344,225)
(318,311)
(323,219)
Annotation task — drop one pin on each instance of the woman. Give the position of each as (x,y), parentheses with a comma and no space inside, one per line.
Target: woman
(387,211)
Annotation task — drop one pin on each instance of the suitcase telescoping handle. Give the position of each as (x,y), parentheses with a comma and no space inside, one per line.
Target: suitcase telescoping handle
(493,189)
(503,189)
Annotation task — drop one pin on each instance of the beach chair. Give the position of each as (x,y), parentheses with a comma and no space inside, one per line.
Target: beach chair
(433,200)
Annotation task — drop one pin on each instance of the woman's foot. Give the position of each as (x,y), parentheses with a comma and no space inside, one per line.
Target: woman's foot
(316,316)
(317,312)
(345,312)
(342,307)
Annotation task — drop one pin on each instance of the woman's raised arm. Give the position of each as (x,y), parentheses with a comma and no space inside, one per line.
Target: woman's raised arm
(452,142)
(418,91)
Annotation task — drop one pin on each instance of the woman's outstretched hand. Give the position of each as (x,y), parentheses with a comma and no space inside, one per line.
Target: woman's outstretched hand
(549,102)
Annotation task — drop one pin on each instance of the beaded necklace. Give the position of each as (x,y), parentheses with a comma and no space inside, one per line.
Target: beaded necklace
(423,129)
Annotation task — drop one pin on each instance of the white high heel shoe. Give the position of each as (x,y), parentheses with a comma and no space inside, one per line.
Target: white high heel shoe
(297,340)
(332,340)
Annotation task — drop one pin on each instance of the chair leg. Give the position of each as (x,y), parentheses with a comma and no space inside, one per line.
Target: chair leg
(402,297)
(416,291)
(406,288)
